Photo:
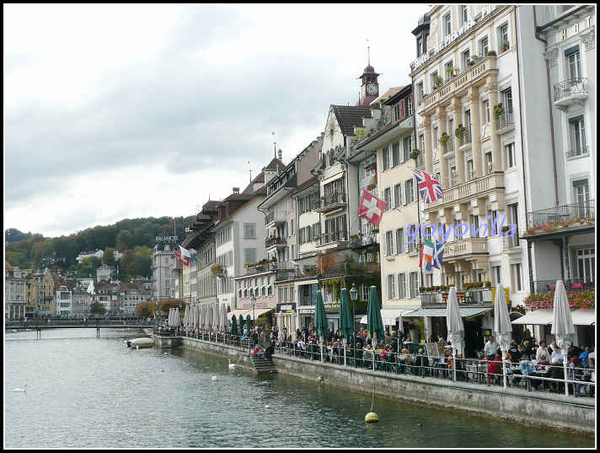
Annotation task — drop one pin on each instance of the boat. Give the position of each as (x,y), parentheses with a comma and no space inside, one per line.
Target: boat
(143,342)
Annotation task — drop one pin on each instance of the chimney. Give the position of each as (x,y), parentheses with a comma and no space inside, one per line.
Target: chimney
(236,190)
(280,154)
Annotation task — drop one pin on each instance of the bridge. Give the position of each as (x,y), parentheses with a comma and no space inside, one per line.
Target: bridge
(45,324)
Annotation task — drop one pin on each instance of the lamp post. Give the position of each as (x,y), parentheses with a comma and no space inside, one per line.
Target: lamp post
(354,298)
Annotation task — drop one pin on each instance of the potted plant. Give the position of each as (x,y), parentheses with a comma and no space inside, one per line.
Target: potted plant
(414,154)
(450,71)
(438,80)
(491,53)
(375,230)
(444,138)
(488,283)
(505,229)
(498,110)
(504,46)
(460,131)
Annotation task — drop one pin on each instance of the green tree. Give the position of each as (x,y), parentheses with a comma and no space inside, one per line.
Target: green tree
(124,240)
(109,256)
(97,309)
(88,266)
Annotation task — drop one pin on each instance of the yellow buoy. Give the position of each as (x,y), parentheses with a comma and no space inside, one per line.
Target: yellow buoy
(371,417)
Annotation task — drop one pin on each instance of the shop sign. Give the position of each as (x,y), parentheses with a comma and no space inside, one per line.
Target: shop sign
(306,310)
(332,306)
(285,308)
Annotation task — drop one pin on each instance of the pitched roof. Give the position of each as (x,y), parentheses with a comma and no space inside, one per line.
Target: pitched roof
(349,116)
(388,94)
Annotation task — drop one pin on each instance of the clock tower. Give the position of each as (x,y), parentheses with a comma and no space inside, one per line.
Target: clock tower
(369,90)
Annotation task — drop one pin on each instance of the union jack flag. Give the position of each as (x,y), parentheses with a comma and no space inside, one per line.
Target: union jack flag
(429,188)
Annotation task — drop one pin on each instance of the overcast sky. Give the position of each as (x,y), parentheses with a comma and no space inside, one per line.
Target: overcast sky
(123,111)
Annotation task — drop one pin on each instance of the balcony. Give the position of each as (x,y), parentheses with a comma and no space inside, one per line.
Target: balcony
(465,138)
(475,75)
(274,218)
(470,189)
(471,297)
(465,249)
(561,219)
(569,92)
(353,269)
(332,201)
(573,284)
(274,242)
(331,238)
(505,120)
(580,151)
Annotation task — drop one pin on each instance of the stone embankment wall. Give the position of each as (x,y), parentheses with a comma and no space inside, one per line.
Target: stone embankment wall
(532,408)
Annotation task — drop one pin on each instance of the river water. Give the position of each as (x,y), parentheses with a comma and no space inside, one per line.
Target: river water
(88,392)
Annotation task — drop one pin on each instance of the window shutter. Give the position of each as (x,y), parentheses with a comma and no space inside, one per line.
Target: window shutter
(402,109)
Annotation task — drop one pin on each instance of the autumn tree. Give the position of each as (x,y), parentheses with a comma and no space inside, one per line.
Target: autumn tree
(97,309)
(165,305)
(145,309)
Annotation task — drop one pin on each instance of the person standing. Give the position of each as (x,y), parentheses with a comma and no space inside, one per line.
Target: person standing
(490,348)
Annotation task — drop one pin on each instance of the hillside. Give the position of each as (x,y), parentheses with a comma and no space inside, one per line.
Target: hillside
(34,251)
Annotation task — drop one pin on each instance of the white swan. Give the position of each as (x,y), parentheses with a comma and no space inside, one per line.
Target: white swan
(214,378)
(232,366)
(21,389)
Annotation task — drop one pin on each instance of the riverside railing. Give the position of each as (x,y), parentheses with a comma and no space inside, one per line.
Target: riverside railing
(577,381)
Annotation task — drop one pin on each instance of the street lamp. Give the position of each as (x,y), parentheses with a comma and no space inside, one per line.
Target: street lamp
(354,298)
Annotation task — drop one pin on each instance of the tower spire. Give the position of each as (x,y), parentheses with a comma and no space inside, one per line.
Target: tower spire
(274,145)
(368,53)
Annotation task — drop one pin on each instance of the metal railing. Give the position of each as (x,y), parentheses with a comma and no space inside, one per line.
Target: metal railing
(578,152)
(529,376)
(570,87)
(328,238)
(572,284)
(505,120)
(569,214)
(332,198)
(465,138)
(274,240)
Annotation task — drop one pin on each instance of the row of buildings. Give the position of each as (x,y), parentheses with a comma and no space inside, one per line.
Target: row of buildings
(501,109)
(32,294)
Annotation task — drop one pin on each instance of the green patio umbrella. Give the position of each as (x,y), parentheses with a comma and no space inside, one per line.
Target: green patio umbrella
(247,324)
(321,325)
(374,322)
(346,327)
(241,325)
(234,330)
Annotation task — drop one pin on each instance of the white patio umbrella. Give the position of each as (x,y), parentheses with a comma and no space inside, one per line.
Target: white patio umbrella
(170,318)
(216,321)
(456,329)
(562,325)
(224,323)
(293,325)
(502,325)
(177,318)
(203,317)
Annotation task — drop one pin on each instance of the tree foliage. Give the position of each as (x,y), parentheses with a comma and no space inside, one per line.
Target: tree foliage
(165,305)
(145,309)
(97,309)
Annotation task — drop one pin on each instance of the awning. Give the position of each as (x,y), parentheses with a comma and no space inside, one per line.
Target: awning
(237,313)
(258,312)
(540,317)
(389,315)
(465,312)
(584,317)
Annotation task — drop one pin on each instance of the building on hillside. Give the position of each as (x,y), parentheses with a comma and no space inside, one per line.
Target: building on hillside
(386,162)
(52,282)
(558,65)
(81,301)
(131,294)
(466,87)
(105,273)
(15,299)
(107,294)
(34,294)
(98,254)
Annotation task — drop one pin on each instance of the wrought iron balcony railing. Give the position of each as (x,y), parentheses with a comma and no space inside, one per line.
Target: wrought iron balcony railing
(571,87)
(565,216)
(505,120)
(573,284)
(274,241)
(578,152)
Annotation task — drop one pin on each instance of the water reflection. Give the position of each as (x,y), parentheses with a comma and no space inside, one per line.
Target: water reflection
(94,393)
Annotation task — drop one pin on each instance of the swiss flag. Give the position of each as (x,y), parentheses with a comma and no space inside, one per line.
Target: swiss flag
(371,207)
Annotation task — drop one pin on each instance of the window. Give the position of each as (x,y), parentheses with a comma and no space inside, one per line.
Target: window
(581,196)
(517,284)
(484,47)
(434,79)
(446,25)
(391,287)
(387,197)
(503,42)
(510,155)
(410,247)
(407,145)
(449,70)
(488,163)
(385,160)
(398,195)
(453,176)
(586,265)
(389,243)
(420,92)
(249,230)
(414,284)
(470,172)
(573,63)
(466,57)
(507,100)
(396,154)
(409,195)
(419,46)
(486,111)
(513,217)
(291,227)
(464,14)
(400,241)
(577,136)
(402,286)
(409,105)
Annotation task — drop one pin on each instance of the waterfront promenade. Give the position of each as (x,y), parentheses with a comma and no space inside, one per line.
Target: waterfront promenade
(471,391)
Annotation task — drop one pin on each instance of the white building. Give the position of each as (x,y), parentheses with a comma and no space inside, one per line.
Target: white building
(15,300)
(164,268)
(63,301)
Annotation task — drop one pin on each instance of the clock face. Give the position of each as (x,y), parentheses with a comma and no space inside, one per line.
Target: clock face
(372,88)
